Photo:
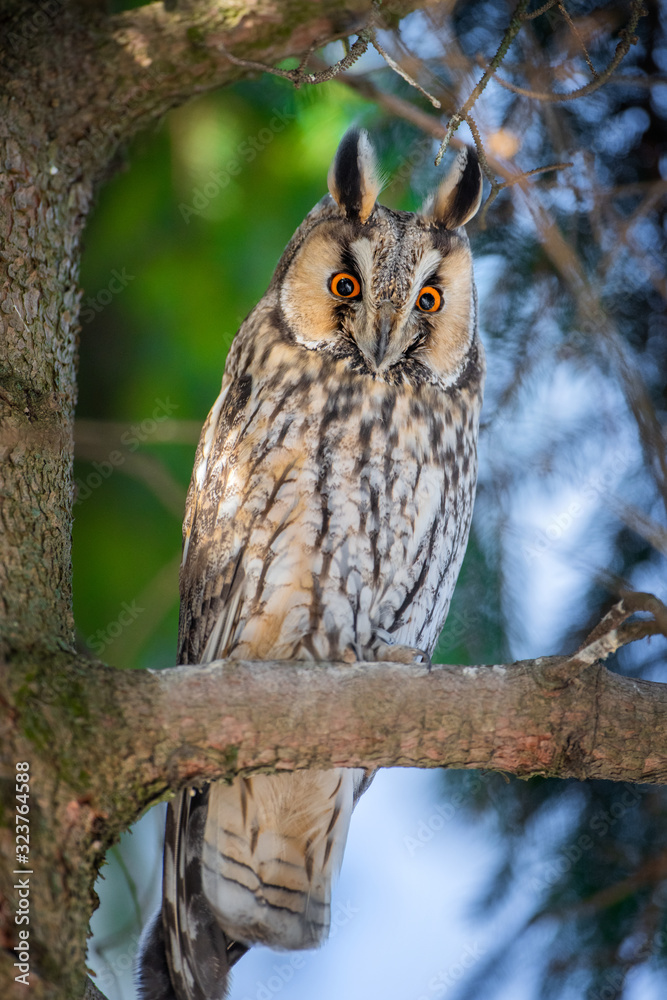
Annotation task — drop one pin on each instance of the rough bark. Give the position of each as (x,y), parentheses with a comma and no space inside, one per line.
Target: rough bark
(161,730)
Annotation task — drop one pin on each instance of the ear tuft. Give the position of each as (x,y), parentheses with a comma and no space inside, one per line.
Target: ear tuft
(354,179)
(459,195)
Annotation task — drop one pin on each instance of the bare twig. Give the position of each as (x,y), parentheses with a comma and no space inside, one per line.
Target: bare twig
(540,10)
(496,187)
(628,38)
(575,32)
(511,32)
(402,73)
(298,76)
(612,633)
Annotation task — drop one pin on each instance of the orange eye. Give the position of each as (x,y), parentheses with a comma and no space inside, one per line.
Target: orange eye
(345,285)
(429,299)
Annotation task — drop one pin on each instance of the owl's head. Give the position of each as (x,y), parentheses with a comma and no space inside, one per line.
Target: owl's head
(391,293)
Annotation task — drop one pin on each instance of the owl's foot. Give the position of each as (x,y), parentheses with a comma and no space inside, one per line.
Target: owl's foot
(351,654)
(402,654)
(385,651)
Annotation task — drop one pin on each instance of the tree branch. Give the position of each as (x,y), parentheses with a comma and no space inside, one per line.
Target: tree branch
(111,76)
(533,717)
(103,744)
(141,734)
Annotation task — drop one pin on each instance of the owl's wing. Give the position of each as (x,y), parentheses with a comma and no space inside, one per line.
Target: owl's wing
(264,861)
(214,531)
(185,953)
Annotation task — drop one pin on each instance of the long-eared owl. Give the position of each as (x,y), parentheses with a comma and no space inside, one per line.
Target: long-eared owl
(327,519)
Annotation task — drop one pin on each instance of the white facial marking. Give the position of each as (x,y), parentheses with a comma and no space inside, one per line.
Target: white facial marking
(425,268)
(362,251)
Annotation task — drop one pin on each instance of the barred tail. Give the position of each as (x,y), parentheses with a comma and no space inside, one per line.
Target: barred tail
(246,863)
(272,845)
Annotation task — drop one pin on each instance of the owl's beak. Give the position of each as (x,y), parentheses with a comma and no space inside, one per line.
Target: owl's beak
(384,323)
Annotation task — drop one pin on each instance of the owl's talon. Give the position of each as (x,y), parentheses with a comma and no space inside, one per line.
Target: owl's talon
(350,654)
(402,654)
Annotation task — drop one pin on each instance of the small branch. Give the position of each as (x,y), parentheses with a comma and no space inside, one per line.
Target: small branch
(575,32)
(611,634)
(511,32)
(628,38)
(496,187)
(402,73)
(353,53)
(299,76)
(540,10)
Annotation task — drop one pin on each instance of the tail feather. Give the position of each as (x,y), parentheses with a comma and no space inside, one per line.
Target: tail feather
(251,862)
(271,847)
(152,977)
(199,954)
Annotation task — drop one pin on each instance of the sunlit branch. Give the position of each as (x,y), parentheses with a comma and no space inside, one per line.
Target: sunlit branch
(403,73)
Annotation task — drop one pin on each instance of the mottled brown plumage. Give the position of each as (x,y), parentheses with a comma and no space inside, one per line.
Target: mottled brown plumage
(327,519)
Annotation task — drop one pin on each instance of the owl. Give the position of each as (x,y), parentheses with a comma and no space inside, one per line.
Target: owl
(327,519)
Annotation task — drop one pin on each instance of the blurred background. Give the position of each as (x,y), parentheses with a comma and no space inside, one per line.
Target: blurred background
(457,884)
